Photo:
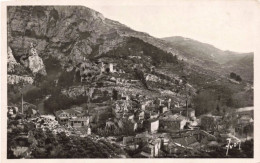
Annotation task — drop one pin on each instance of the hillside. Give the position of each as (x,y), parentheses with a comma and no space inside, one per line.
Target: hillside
(218,60)
(70,55)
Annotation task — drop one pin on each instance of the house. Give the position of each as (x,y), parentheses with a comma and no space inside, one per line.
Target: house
(151,125)
(163,109)
(154,115)
(108,67)
(142,106)
(152,149)
(172,122)
(63,116)
(139,115)
(158,102)
(78,122)
(124,96)
(155,144)
(12,111)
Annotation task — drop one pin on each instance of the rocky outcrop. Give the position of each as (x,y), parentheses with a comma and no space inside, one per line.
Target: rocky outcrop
(150,77)
(35,62)
(36,65)
(14,67)
(11,61)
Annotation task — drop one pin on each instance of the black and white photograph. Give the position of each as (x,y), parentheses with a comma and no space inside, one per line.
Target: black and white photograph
(129,80)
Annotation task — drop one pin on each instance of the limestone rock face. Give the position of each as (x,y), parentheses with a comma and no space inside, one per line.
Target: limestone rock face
(10,57)
(35,62)
(36,65)
(11,62)
(63,32)
(14,67)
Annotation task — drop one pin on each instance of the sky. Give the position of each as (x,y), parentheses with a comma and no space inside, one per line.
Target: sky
(228,25)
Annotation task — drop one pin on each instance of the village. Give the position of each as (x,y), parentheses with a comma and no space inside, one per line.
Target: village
(144,127)
(82,85)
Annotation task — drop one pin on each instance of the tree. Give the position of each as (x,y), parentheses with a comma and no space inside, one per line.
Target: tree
(66,79)
(204,102)
(235,76)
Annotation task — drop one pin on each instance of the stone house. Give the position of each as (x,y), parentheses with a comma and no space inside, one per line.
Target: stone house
(139,115)
(79,122)
(152,149)
(63,116)
(172,122)
(151,125)
(12,111)
(163,109)
(108,68)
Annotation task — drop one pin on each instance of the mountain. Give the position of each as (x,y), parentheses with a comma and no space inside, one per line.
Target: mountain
(206,54)
(70,53)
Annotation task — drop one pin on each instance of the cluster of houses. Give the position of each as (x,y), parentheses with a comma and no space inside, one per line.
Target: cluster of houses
(151,117)
(75,117)
(162,128)
(160,125)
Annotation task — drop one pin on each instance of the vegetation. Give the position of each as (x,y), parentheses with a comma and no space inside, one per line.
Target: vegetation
(235,77)
(47,145)
(135,46)
(59,102)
